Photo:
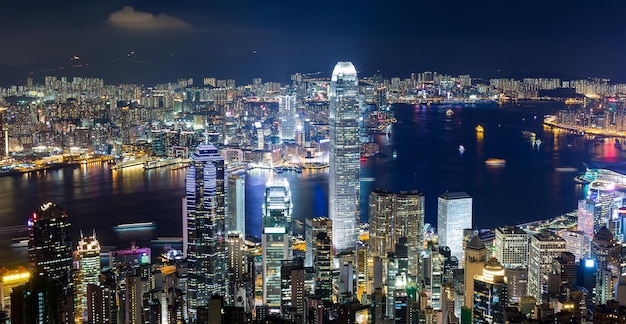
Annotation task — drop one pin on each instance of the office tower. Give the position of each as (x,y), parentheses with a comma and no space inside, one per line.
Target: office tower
(235,262)
(50,244)
(565,268)
(517,283)
(511,247)
(323,267)
(292,286)
(475,258)
(204,228)
(490,294)
(237,204)
(312,227)
(544,247)
(454,214)
(276,237)
(577,242)
(605,250)
(88,257)
(287,111)
(585,215)
(50,260)
(100,303)
(344,156)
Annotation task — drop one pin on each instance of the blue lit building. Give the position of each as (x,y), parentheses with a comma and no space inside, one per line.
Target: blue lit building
(204,233)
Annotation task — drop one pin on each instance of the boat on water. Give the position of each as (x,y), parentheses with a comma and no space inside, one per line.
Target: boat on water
(461,149)
(449,112)
(395,154)
(135,226)
(19,242)
(480,129)
(495,162)
(566,169)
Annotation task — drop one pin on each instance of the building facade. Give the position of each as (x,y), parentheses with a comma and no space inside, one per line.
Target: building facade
(454,214)
(276,238)
(544,247)
(344,156)
(204,232)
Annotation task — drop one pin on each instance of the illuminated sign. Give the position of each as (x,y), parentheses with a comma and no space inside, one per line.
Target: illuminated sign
(590,263)
(22,276)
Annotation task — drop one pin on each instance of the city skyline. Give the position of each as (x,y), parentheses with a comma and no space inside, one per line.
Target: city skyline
(243,40)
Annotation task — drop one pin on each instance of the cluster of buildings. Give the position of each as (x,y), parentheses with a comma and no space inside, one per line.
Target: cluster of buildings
(400,270)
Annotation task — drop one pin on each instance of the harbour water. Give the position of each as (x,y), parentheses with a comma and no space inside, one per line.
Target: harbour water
(535,182)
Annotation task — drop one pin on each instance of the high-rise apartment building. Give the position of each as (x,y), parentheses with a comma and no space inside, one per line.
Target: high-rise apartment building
(393,216)
(276,238)
(88,257)
(454,214)
(544,247)
(204,232)
(344,155)
(511,247)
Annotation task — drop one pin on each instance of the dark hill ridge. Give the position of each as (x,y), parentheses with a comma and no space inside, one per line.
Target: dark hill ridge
(242,67)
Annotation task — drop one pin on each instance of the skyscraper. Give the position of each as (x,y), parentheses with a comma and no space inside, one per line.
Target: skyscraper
(50,258)
(88,256)
(276,238)
(204,230)
(454,214)
(237,204)
(287,110)
(344,165)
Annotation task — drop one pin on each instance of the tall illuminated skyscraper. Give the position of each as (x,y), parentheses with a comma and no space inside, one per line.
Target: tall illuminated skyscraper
(88,256)
(287,110)
(50,258)
(344,156)
(454,214)
(276,238)
(204,228)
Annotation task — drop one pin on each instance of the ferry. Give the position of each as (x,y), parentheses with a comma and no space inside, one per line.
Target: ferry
(134,226)
(480,129)
(461,149)
(449,112)
(495,162)
(566,169)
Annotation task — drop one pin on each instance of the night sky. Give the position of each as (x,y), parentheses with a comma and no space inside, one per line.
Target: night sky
(273,39)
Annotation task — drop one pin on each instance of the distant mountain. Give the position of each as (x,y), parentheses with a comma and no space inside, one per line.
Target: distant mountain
(242,67)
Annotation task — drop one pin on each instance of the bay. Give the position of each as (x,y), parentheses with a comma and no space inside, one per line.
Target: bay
(426,141)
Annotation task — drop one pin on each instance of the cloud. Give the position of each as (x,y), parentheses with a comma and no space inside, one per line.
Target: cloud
(130,19)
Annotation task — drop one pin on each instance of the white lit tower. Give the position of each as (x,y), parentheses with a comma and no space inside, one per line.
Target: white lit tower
(204,226)
(287,110)
(276,238)
(344,156)
(454,214)
(88,257)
